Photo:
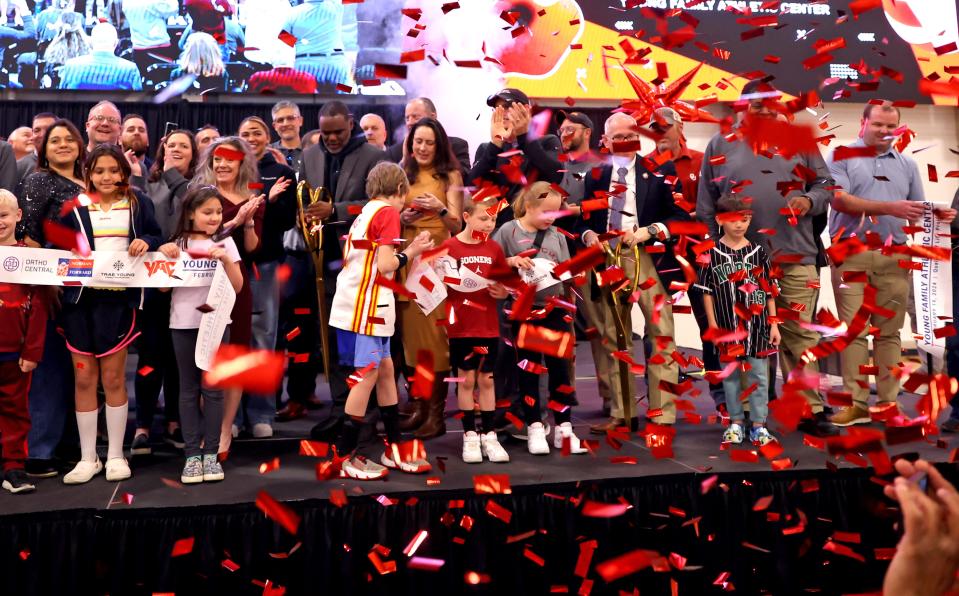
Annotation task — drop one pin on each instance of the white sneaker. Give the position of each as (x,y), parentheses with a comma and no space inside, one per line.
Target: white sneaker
(360,468)
(566,430)
(492,449)
(536,439)
(262,430)
(117,469)
(83,472)
(416,466)
(472,454)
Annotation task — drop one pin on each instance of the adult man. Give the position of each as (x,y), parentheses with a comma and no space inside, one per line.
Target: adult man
(374,127)
(147,20)
(134,137)
(27,163)
(671,145)
(886,188)
(103,125)
(21,140)
(326,40)
(287,123)
(101,69)
(776,183)
(206,135)
(641,205)
(416,110)
(340,163)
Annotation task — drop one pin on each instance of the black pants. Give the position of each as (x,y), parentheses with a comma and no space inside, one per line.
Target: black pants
(155,350)
(558,371)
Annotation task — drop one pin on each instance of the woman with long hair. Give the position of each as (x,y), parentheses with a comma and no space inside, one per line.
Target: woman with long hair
(434,204)
(166,185)
(69,42)
(99,324)
(58,178)
(201,58)
(279,186)
(230,166)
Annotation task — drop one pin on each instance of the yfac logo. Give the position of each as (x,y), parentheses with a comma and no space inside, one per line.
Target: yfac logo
(164,266)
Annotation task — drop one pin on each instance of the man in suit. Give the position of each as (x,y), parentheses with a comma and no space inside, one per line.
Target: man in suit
(340,162)
(416,110)
(641,206)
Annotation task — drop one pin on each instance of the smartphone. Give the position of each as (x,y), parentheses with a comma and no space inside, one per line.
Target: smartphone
(170,127)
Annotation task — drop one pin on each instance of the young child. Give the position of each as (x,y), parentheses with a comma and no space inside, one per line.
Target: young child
(201,218)
(364,314)
(733,285)
(100,323)
(23,316)
(474,329)
(533,230)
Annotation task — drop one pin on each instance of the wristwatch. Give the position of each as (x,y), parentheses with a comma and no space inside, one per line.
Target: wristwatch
(653,232)
(444,211)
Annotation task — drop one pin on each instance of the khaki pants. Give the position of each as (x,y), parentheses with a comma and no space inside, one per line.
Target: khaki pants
(892,292)
(668,371)
(594,313)
(795,288)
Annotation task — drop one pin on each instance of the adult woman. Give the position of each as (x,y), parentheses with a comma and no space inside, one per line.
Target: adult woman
(230,166)
(201,57)
(70,41)
(57,179)
(278,185)
(434,204)
(166,185)
(100,323)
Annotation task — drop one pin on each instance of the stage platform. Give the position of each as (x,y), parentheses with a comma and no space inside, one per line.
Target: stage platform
(718,523)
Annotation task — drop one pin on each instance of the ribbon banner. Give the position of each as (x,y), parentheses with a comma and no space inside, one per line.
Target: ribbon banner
(933,283)
(106,269)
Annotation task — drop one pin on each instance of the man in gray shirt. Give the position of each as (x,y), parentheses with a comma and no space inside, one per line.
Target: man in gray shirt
(799,184)
(876,196)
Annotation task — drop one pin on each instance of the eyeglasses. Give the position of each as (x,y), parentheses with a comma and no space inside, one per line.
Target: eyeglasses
(283,119)
(624,138)
(568,130)
(100,119)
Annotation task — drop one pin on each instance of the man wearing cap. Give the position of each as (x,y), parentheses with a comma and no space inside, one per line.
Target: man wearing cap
(801,185)
(671,145)
(641,205)
(488,168)
(416,110)
(887,189)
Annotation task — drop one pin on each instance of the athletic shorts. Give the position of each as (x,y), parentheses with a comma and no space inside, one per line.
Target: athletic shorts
(360,350)
(101,323)
(471,353)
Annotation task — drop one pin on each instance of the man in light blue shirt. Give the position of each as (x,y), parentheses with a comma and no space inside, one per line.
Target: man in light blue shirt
(326,39)
(101,69)
(878,193)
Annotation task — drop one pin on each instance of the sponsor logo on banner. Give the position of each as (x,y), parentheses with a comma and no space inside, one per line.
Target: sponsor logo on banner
(37,266)
(11,264)
(75,267)
(155,266)
(200,267)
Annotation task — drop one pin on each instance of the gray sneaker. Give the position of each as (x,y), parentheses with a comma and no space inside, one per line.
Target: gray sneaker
(212,470)
(192,471)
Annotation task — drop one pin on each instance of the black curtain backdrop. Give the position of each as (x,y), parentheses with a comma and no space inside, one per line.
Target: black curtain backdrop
(127,551)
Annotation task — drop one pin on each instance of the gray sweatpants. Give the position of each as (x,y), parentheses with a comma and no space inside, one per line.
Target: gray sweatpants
(198,425)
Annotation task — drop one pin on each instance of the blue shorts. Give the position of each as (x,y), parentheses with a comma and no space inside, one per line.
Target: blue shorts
(360,350)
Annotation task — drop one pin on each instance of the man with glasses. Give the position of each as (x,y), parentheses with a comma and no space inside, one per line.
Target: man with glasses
(641,206)
(799,185)
(287,123)
(103,125)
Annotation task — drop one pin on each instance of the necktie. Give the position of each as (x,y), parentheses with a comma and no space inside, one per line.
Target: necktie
(619,202)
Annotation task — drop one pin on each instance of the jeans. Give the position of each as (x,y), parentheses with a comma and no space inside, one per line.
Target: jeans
(261,408)
(733,387)
(197,425)
(51,396)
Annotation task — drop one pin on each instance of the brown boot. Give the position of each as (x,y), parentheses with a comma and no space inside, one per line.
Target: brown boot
(435,424)
(417,415)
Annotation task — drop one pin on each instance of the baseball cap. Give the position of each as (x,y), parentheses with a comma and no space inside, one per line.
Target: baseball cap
(509,95)
(575,117)
(664,118)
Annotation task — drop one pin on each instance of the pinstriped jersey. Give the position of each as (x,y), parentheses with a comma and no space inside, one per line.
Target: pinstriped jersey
(736,280)
(360,304)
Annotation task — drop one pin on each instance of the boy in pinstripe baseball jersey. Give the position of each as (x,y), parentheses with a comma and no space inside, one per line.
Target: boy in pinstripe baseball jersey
(738,295)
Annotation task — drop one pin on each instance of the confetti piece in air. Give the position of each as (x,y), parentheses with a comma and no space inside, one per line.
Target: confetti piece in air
(239,367)
(66,238)
(415,543)
(183,546)
(145,370)
(606,510)
(625,564)
(427,564)
(492,484)
(229,153)
(283,515)
(270,466)
(314,448)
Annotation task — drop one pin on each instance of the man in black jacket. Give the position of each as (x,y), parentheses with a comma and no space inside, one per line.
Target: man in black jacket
(340,163)
(641,207)
(416,110)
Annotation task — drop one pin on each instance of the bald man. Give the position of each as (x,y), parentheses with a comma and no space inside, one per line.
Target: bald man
(416,110)
(21,139)
(374,127)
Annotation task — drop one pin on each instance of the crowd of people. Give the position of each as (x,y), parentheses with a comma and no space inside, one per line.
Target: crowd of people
(208,45)
(534,237)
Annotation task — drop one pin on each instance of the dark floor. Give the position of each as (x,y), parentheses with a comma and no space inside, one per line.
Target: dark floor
(155,481)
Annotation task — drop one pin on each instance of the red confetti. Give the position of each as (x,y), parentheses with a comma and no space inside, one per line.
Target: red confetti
(498,511)
(496,484)
(283,515)
(183,546)
(229,153)
(287,38)
(626,564)
(239,367)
